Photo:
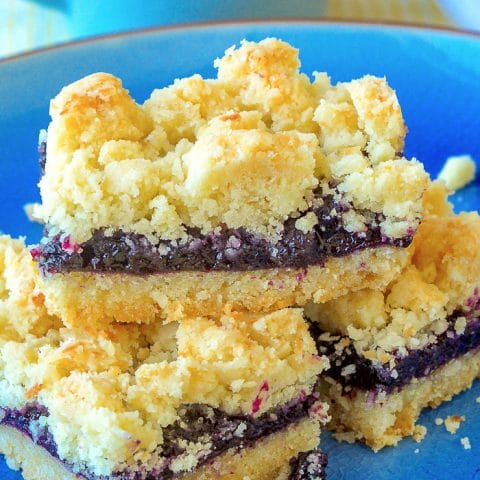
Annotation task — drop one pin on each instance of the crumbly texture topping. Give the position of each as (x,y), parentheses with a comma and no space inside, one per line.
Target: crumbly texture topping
(19,293)
(440,279)
(458,171)
(245,149)
(111,393)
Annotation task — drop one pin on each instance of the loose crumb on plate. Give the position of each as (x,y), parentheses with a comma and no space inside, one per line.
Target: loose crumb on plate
(478,400)
(458,171)
(417,450)
(419,433)
(465,441)
(29,210)
(347,437)
(453,422)
(439,421)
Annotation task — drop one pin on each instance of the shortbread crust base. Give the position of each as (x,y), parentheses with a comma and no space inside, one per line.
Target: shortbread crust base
(103,298)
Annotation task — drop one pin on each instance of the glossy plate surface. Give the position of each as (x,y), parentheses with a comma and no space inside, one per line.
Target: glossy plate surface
(437,78)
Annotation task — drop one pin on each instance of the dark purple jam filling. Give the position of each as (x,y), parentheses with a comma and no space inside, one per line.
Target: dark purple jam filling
(309,466)
(26,421)
(416,364)
(197,423)
(225,250)
(42,157)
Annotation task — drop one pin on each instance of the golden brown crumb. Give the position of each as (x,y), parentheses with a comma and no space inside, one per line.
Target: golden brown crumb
(419,433)
(458,171)
(453,422)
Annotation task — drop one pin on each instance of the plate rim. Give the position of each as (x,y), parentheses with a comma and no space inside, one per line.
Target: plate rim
(289,21)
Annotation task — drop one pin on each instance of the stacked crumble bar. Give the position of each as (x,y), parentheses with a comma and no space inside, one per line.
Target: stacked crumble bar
(411,346)
(225,397)
(157,331)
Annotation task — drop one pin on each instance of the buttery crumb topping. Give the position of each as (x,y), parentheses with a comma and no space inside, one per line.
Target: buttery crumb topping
(246,149)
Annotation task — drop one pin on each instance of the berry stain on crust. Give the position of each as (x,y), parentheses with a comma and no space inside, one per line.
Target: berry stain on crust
(257,402)
(70,247)
(36,252)
(473,303)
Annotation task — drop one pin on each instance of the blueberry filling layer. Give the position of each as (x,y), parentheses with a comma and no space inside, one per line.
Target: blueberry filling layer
(223,250)
(42,157)
(309,466)
(28,421)
(353,370)
(197,424)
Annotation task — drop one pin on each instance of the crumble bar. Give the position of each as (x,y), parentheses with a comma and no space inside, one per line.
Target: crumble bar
(211,397)
(414,345)
(257,190)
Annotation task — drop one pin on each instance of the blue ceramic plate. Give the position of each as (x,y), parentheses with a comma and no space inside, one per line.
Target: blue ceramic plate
(437,78)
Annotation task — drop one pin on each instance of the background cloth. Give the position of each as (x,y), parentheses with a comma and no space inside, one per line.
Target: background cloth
(26,24)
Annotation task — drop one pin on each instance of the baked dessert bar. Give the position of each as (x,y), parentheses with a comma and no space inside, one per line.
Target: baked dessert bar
(92,400)
(228,397)
(256,190)
(412,346)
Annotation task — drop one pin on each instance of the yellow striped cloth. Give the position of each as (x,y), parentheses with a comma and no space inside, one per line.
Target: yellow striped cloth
(425,12)
(26,24)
